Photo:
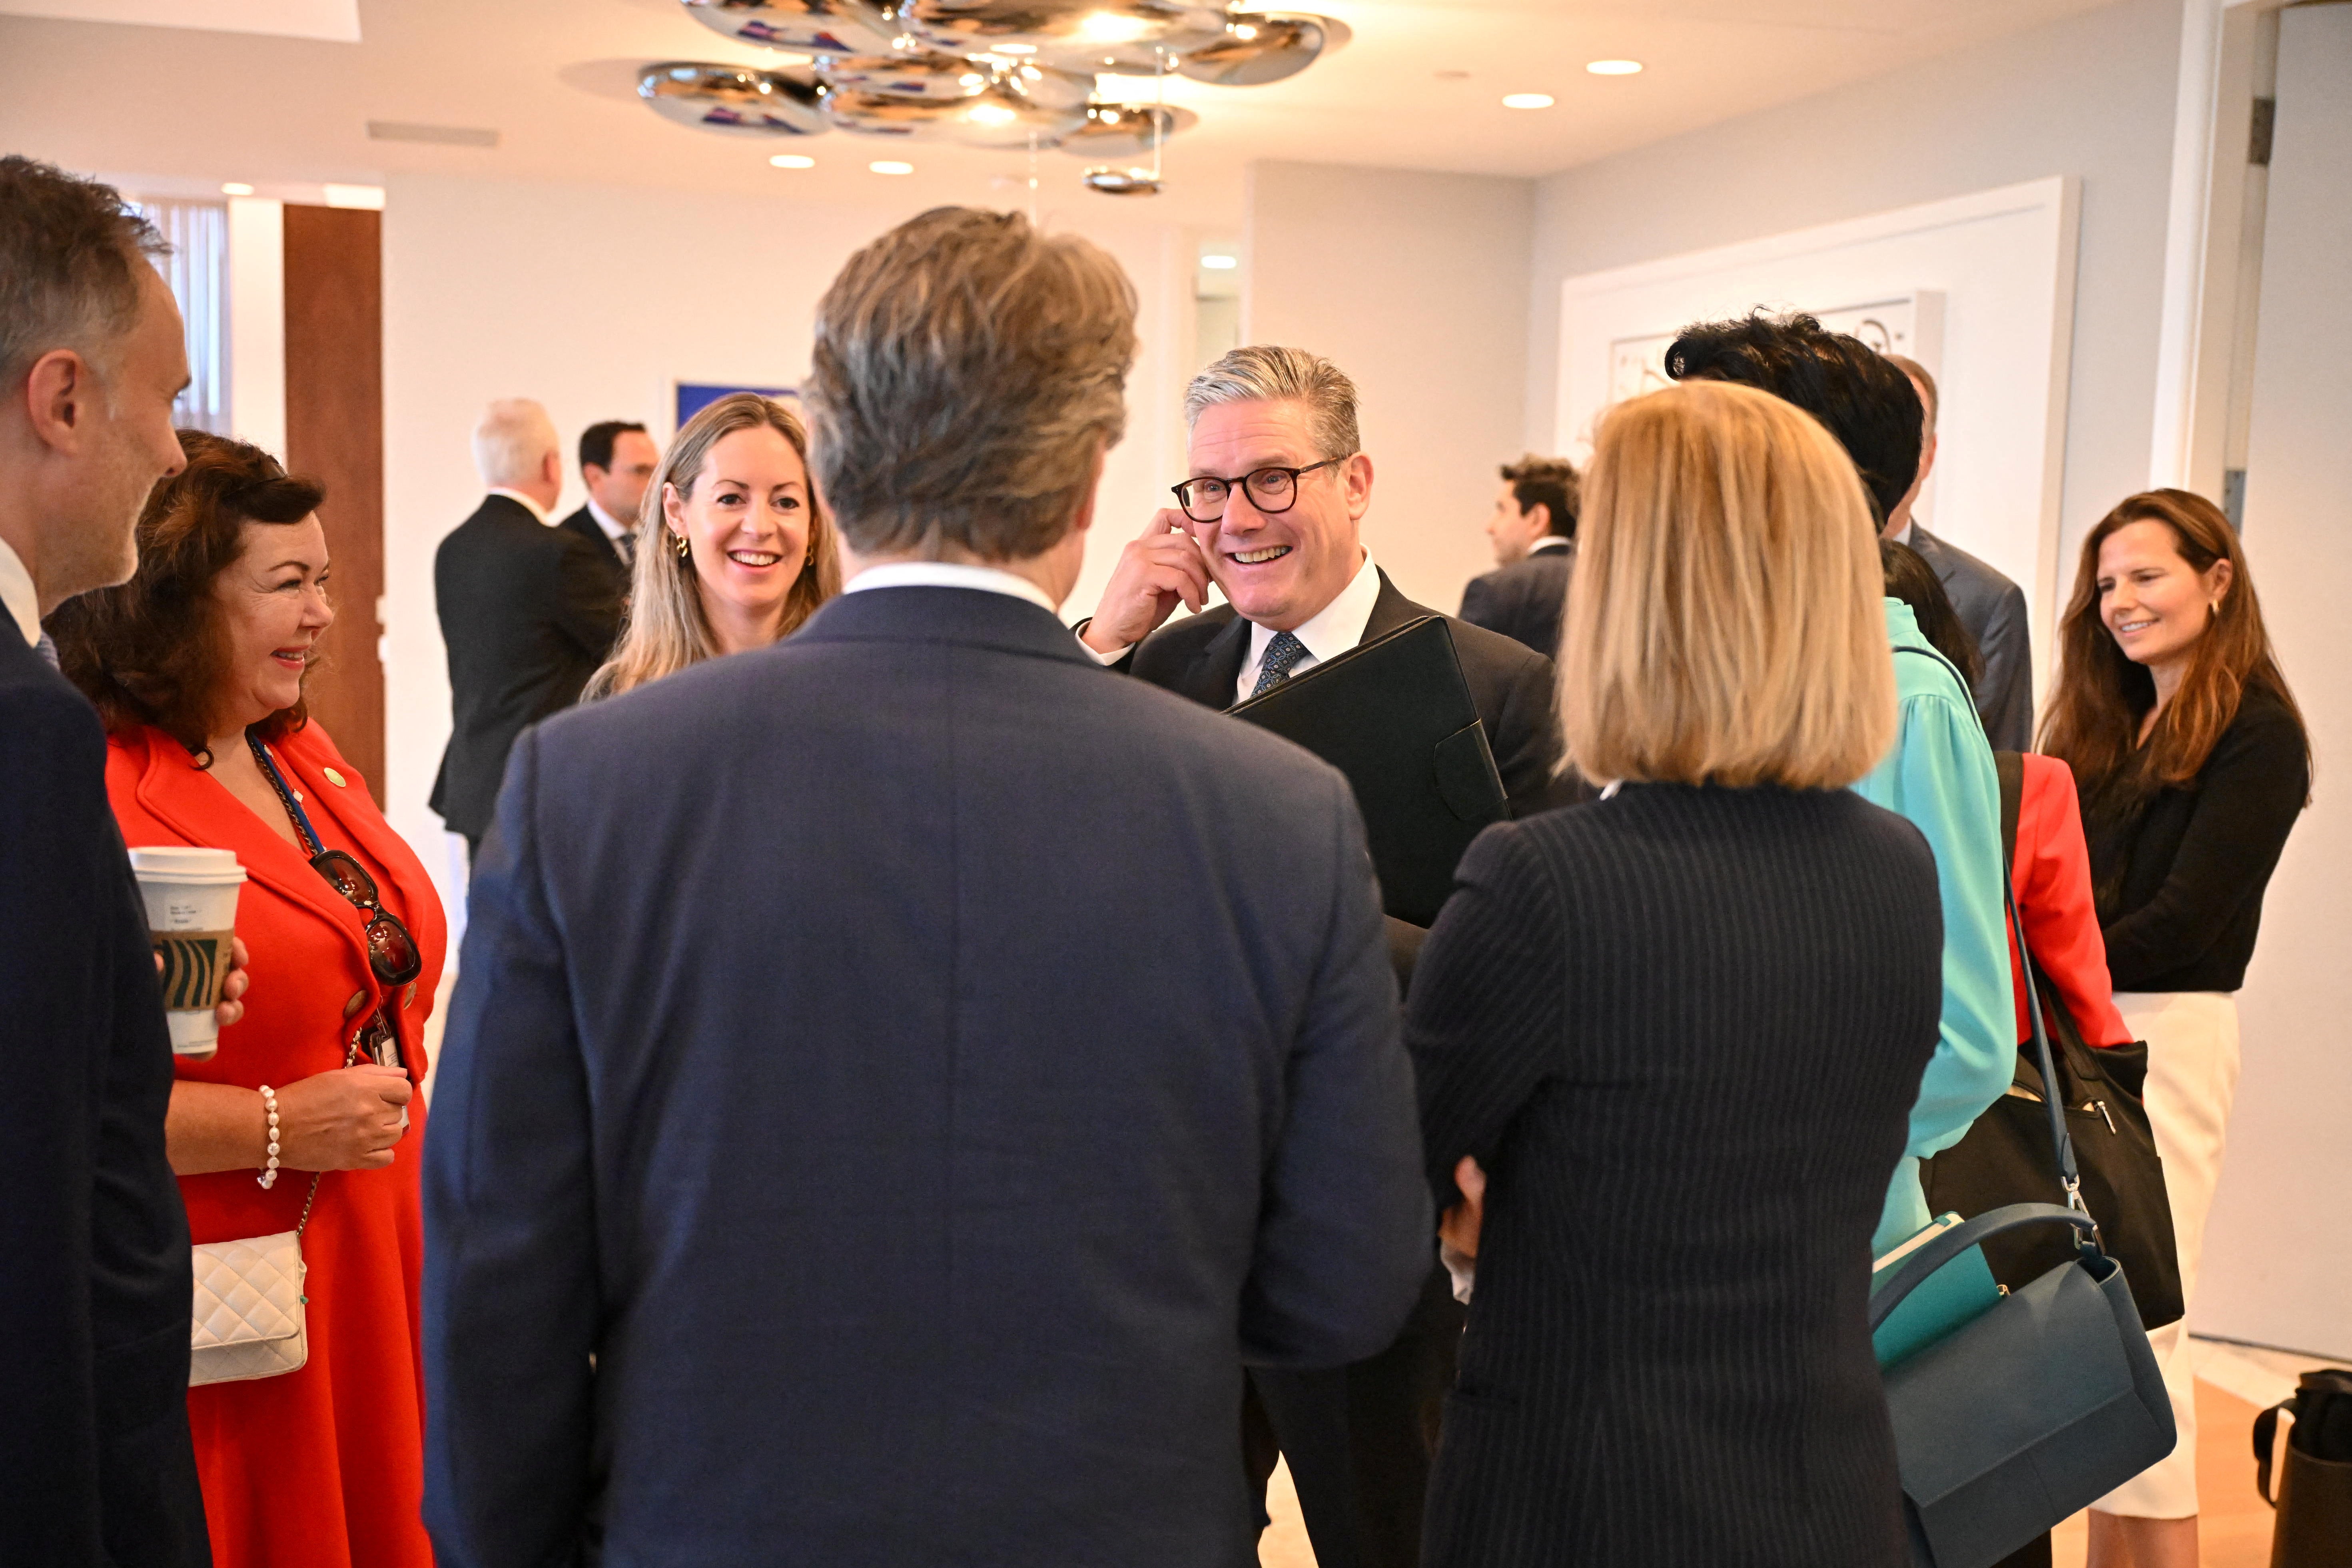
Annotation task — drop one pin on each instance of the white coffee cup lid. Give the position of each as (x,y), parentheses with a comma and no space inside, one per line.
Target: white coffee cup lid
(187,862)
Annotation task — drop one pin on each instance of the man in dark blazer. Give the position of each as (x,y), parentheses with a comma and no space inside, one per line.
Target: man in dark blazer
(1990,606)
(1272,515)
(1533,530)
(617,460)
(902,1073)
(528,612)
(95,1467)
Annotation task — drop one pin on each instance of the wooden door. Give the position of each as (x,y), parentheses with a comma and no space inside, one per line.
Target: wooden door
(334,433)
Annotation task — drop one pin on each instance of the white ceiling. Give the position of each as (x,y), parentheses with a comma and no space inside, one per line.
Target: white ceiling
(1420,88)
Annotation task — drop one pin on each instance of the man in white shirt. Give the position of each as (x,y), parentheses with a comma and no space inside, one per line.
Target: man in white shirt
(1533,529)
(1273,515)
(96,1466)
(617,460)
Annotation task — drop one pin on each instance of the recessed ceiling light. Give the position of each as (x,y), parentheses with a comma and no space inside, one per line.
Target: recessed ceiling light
(1527,100)
(361,198)
(1452,76)
(237,188)
(1014,48)
(891,167)
(1613,67)
(792,161)
(1221,263)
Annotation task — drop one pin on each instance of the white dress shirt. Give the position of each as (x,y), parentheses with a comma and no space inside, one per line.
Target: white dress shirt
(612,530)
(530,504)
(1549,541)
(1902,538)
(1330,632)
(17,591)
(950,574)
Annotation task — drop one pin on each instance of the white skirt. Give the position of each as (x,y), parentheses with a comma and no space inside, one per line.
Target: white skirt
(2192,1075)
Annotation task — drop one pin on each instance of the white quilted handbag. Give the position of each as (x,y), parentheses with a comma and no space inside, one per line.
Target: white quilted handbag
(249,1306)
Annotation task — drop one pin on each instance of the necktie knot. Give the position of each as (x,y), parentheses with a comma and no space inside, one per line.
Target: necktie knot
(1284,653)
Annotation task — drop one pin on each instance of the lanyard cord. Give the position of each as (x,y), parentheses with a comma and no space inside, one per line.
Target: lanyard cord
(300,818)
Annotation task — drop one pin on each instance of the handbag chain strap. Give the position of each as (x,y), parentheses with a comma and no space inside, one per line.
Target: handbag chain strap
(350,1059)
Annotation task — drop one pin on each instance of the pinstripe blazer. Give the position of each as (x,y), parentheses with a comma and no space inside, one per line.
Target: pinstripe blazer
(1681,1029)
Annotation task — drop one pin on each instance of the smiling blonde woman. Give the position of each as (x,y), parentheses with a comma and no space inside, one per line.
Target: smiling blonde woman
(735,550)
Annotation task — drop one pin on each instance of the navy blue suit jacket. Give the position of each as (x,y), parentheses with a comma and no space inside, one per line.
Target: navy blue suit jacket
(918,1068)
(95,1467)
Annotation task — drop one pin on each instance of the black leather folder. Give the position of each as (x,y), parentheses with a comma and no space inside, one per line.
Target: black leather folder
(1395,716)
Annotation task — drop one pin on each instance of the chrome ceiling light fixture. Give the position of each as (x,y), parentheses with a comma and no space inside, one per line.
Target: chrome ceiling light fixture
(982,73)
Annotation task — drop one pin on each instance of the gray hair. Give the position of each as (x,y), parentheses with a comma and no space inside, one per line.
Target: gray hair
(968,372)
(1263,373)
(69,258)
(513,440)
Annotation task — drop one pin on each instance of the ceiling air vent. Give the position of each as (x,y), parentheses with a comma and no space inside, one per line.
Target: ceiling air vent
(438,135)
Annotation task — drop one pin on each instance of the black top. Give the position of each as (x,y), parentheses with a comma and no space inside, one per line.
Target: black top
(95,1467)
(2180,884)
(528,612)
(919,1101)
(1524,600)
(1682,1030)
(1200,657)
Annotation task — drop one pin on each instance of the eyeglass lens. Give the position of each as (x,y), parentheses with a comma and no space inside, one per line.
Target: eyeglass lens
(1270,490)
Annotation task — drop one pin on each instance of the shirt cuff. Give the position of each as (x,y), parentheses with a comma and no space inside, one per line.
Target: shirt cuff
(1464,1269)
(1079,632)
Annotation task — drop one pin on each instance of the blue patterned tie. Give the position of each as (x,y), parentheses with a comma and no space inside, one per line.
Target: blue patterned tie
(1283,655)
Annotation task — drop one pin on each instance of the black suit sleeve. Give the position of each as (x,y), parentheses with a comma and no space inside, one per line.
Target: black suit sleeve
(56,894)
(1344,1243)
(2249,795)
(585,608)
(1484,1024)
(511,1302)
(1526,738)
(2005,691)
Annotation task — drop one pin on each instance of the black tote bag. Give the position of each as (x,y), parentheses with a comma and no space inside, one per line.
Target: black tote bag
(2006,1157)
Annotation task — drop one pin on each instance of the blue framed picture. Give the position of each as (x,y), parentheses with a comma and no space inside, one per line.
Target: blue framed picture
(694,397)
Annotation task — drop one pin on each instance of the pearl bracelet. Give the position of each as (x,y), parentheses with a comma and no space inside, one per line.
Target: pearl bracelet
(268,1177)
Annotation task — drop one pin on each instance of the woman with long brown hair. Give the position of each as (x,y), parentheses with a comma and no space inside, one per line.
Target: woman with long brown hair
(734,550)
(2193,763)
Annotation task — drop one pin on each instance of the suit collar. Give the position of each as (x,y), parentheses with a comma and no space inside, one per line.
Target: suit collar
(17,592)
(1393,610)
(1550,544)
(924,613)
(537,513)
(199,808)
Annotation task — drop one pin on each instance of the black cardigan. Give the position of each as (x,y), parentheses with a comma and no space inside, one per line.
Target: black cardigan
(2180,885)
(1681,1029)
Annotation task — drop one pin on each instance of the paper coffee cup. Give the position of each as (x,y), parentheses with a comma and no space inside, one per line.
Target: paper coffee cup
(191,898)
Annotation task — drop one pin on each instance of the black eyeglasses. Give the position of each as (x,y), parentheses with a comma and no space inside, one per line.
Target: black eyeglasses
(392,952)
(1269,489)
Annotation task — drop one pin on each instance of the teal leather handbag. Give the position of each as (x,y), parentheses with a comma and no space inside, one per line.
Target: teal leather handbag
(2034,1409)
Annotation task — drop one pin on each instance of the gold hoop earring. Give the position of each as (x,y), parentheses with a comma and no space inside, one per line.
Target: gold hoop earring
(684,550)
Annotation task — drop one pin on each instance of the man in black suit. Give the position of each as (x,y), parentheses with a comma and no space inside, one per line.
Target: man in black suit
(617,460)
(95,1467)
(1273,515)
(528,612)
(903,1071)
(1990,606)
(1534,534)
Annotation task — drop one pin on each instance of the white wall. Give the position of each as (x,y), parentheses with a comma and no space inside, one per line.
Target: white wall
(594,299)
(1415,285)
(2278,1258)
(2091,96)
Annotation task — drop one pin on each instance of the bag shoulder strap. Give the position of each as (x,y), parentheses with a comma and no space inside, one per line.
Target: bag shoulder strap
(2265,1440)
(2010,767)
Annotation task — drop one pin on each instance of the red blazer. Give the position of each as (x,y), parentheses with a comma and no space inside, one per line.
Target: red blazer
(321,1467)
(2051,875)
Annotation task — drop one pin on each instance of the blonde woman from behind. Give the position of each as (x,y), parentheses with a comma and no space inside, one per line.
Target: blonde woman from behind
(1680,1030)
(734,552)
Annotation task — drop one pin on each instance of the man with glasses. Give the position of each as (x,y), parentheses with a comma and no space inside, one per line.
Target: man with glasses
(1273,515)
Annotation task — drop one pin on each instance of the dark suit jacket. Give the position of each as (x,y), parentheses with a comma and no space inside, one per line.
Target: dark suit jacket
(1993,609)
(1202,656)
(1524,600)
(1682,1030)
(584,523)
(95,1462)
(918,1099)
(528,613)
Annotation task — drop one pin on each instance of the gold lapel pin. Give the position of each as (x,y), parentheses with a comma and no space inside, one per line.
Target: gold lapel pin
(333,777)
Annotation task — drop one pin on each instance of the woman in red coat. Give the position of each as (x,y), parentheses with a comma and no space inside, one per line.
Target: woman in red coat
(197,664)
